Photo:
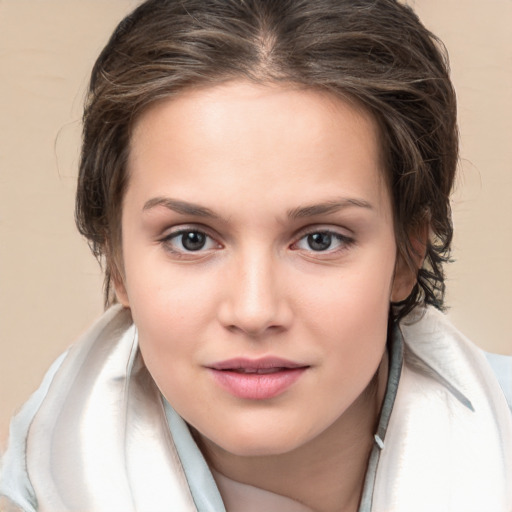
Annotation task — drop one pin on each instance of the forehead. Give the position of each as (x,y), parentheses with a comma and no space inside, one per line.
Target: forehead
(236,102)
(283,141)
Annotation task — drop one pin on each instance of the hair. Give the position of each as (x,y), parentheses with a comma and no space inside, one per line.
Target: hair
(375,52)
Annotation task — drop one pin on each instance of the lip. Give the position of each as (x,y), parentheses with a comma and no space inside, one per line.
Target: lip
(256,379)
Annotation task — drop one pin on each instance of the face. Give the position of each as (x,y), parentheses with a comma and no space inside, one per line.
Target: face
(258,260)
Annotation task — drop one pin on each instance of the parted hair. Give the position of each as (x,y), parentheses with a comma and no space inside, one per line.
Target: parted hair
(374,52)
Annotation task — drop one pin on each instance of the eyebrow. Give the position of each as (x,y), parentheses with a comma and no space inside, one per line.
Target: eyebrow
(327,207)
(186,208)
(183,207)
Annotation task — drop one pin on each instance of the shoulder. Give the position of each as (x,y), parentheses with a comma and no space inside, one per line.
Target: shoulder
(450,418)
(502,368)
(455,361)
(14,480)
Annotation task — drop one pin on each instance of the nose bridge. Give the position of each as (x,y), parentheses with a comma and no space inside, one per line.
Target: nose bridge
(256,299)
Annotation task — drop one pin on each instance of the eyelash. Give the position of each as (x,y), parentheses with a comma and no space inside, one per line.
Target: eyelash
(344,241)
(168,242)
(169,239)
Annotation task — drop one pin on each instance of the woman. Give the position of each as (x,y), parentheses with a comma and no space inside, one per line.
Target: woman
(268,185)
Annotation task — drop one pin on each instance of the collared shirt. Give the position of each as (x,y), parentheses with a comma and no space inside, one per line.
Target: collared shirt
(15,483)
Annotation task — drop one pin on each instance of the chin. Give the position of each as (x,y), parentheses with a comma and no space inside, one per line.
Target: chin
(253,444)
(262,449)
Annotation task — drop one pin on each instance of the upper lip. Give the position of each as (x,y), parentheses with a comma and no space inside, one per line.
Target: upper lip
(264,363)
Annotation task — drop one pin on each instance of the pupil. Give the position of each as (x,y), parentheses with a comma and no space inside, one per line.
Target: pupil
(193,241)
(319,241)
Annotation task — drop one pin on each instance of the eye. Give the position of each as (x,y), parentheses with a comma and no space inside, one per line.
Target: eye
(323,241)
(189,240)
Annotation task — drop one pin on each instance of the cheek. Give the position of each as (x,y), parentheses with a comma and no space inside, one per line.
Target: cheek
(350,314)
(353,296)
(169,304)
(171,327)
(163,288)
(170,308)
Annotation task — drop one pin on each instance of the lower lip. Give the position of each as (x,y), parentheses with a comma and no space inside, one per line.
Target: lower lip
(254,386)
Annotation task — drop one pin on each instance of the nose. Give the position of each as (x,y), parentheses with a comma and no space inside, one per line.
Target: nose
(256,299)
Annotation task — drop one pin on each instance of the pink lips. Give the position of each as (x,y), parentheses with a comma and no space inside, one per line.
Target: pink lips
(256,379)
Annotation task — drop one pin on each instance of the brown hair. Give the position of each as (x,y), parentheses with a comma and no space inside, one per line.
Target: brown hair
(375,51)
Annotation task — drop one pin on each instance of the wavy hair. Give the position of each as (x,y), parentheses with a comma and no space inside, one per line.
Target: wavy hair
(375,52)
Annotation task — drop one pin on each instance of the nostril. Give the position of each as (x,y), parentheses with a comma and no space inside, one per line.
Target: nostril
(254,302)
(256,332)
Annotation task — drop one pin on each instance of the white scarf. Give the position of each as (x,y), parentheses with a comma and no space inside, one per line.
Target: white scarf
(101,441)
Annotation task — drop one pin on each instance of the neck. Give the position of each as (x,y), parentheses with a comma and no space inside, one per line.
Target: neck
(326,474)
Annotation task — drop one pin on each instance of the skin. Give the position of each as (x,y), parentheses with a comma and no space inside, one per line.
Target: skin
(263,167)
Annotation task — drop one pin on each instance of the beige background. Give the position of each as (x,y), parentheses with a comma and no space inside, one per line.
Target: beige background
(50,286)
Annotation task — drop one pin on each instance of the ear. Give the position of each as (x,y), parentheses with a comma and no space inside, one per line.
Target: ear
(121,293)
(406,268)
(117,281)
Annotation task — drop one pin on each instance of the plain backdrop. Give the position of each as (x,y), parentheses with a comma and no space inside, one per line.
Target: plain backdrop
(50,285)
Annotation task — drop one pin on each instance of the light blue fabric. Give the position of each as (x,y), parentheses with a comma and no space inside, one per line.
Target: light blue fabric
(200,480)
(14,481)
(502,367)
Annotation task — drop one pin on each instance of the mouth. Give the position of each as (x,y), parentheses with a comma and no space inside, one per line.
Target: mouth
(256,379)
(259,371)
